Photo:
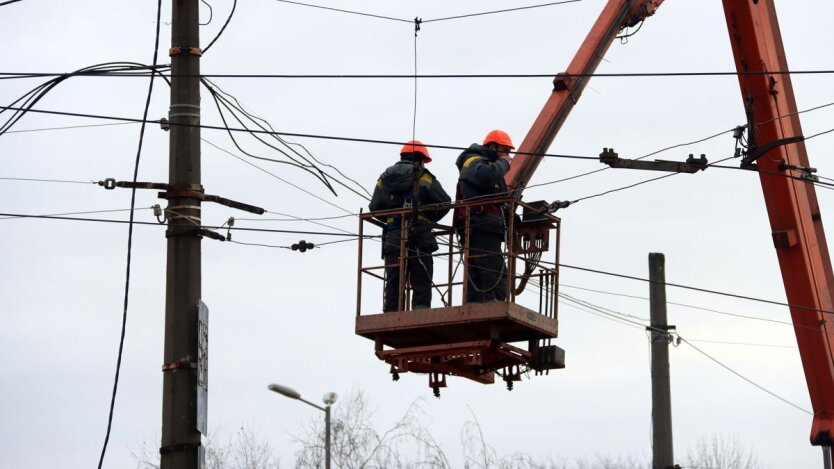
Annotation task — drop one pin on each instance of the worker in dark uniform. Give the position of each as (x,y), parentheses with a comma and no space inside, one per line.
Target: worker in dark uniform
(482,169)
(395,189)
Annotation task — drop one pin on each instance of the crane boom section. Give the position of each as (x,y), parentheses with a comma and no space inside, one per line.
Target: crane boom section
(792,205)
(568,87)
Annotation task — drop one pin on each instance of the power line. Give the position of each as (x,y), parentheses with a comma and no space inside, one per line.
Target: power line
(8,2)
(223,28)
(130,237)
(687,287)
(470,15)
(67,127)
(722,365)
(378,76)
(56,215)
(267,132)
(359,13)
(277,177)
(741,343)
(209,227)
(623,188)
(741,316)
(671,147)
(401,20)
(295,218)
(47,180)
(715,360)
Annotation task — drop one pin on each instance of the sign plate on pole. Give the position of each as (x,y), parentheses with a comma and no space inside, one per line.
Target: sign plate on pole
(202,367)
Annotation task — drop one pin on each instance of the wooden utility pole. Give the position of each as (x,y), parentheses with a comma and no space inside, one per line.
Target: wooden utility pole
(662,453)
(184,368)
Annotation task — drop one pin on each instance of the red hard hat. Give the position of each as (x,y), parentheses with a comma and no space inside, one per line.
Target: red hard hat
(416,146)
(500,137)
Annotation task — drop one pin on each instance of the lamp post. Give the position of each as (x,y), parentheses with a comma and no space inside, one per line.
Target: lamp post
(328,400)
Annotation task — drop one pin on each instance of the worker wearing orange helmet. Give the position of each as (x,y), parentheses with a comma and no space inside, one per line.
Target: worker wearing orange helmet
(396,188)
(482,169)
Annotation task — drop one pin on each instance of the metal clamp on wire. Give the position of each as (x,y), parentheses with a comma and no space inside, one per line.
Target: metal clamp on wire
(109,184)
(302,246)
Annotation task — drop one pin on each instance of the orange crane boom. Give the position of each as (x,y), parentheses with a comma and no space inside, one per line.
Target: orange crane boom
(774,127)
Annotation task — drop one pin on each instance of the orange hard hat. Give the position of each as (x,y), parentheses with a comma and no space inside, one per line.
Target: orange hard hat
(416,146)
(500,137)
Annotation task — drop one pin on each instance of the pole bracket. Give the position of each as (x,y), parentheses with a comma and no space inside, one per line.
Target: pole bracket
(179,447)
(184,365)
(179,50)
(199,194)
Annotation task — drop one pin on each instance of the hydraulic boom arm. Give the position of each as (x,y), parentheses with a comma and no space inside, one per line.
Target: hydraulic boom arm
(777,144)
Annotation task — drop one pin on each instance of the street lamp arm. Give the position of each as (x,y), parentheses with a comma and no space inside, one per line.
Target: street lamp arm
(313,405)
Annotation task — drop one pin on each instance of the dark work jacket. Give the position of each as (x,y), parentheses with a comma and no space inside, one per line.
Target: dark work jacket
(393,188)
(481,176)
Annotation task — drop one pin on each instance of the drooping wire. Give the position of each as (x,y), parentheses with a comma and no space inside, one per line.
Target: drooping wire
(211,13)
(24,104)
(130,236)
(235,107)
(223,28)
(276,176)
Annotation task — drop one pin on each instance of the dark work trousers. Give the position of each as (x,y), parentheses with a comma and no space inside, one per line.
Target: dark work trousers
(419,267)
(487,275)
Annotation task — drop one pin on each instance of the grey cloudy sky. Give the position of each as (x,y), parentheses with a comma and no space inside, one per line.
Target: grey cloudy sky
(281,316)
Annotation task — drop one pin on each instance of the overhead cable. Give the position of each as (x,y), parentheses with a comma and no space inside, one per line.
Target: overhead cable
(401,76)
(529,7)
(210,227)
(687,287)
(130,237)
(748,380)
(223,28)
(65,181)
(683,305)
(283,134)
(67,127)
(371,15)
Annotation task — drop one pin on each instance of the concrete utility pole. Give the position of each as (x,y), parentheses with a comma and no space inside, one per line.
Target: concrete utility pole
(184,370)
(662,453)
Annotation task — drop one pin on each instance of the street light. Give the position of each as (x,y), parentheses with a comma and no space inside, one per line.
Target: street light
(328,399)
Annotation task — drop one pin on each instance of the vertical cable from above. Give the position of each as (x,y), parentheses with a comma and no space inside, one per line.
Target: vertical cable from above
(130,237)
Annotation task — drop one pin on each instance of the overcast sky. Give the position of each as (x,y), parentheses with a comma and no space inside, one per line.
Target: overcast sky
(281,316)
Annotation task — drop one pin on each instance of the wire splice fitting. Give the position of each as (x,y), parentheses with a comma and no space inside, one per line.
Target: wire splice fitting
(302,246)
